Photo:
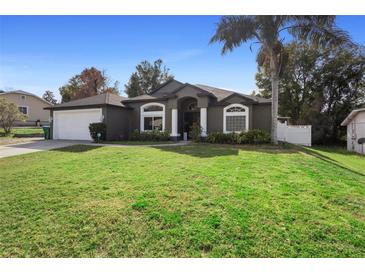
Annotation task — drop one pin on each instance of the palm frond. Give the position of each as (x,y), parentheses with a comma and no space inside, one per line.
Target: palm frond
(234,31)
(319,30)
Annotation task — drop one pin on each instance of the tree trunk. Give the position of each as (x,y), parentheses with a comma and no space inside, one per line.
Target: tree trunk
(274,107)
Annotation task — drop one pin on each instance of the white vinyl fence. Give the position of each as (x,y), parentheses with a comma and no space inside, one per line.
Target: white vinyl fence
(300,135)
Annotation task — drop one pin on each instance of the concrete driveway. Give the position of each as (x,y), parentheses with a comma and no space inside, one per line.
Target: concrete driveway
(34,146)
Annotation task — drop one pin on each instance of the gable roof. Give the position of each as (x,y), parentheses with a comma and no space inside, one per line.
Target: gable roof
(223,94)
(162,92)
(162,89)
(96,100)
(351,116)
(202,91)
(22,92)
(171,87)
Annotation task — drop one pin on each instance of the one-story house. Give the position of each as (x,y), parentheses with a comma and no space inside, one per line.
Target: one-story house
(355,123)
(173,106)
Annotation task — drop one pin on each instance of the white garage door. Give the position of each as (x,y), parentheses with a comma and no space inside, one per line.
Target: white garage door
(74,124)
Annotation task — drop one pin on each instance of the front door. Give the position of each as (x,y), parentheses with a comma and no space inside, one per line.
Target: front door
(189,119)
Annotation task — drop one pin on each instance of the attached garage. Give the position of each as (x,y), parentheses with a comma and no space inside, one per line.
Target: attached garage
(71,120)
(74,124)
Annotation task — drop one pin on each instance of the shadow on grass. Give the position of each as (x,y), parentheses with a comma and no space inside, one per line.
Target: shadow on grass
(76,148)
(329,160)
(205,150)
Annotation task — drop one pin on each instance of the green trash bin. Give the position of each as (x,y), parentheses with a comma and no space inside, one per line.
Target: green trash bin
(47,132)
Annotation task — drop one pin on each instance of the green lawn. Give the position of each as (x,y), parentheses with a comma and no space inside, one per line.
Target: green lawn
(24,130)
(138,143)
(187,201)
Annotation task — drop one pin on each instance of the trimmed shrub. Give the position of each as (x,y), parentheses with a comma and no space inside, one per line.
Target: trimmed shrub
(96,128)
(195,132)
(254,136)
(223,138)
(154,135)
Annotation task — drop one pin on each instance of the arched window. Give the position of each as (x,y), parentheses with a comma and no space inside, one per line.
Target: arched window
(235,118)
(153,117)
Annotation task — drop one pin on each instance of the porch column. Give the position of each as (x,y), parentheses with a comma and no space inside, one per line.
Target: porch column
(174,123)
(203,121)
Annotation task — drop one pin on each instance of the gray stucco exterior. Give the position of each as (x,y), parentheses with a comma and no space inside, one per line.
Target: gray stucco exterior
(117,122)
(197,103)
(171,95)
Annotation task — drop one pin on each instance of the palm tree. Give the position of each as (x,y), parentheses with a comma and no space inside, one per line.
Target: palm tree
(267,31)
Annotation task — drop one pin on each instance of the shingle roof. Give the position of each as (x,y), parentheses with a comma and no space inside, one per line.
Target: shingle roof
(144,97)
(161,92)
(25,93)
(170,87)
(222,94)
(101,99)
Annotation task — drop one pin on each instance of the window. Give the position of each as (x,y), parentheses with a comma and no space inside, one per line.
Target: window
(153,123)
(235,118)
(153,117)
(23,110)
(153,108)
(23,97)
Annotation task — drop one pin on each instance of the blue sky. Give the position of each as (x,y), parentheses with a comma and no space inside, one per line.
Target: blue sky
(42,52)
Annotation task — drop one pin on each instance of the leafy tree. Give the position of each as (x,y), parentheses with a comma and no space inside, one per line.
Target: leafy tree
(93,82)
(267,31)
(49,97)
(89,82)
(319,87)
(9,113)
(114,89)
(69,91)
(147,77)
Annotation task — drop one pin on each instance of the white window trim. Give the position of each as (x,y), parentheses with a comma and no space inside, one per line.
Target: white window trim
(144,114)
(26,108)
(225,114)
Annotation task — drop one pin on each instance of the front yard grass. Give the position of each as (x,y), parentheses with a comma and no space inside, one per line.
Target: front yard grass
(139,143)
(24,130)
(186,201)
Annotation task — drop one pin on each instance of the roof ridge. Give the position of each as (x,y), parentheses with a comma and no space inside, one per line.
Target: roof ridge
(164,84)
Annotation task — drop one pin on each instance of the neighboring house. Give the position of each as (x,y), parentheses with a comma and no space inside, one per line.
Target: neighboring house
(355,123)
(172,107)
(30,105)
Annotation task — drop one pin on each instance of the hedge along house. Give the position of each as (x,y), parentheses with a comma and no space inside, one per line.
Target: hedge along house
(172,107)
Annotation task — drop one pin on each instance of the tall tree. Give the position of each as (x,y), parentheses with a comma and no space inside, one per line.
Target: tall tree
(319,87)
(49,97)
(267,31)
(147,77)
(296,85)
(89,82)
(69,91)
